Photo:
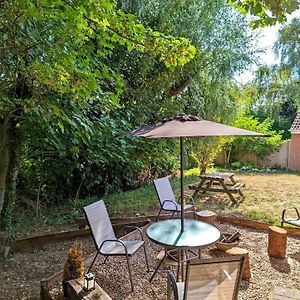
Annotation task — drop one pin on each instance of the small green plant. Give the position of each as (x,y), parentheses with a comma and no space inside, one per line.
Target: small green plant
(74,266)
(236,165)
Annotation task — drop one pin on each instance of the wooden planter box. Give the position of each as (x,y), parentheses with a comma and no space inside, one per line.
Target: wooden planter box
(76,292)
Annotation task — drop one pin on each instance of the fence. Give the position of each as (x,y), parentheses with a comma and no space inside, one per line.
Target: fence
(278,158)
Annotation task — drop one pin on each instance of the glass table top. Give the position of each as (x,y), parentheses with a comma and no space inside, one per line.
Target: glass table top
(196,234)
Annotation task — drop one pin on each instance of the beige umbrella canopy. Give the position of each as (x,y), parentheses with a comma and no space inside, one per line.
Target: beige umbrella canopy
(188,126)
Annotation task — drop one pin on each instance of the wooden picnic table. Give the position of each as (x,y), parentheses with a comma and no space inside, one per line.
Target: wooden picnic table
(218,182)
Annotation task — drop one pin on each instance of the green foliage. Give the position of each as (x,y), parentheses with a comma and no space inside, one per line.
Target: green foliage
(224,47)
(266,12)
(205,151)
(275,97)
(59,91)
(261,146)
(77,74)
(287,47)
(236,164)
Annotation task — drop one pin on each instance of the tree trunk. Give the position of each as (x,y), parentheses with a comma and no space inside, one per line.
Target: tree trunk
(13,145)
(4,161)
(14,163)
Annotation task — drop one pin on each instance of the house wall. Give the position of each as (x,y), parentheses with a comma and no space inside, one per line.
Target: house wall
(294,162)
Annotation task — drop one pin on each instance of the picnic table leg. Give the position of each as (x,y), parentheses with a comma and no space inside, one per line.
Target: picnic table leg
(234,182)
(241,194)
(227,191)
(197,190)
(208,185)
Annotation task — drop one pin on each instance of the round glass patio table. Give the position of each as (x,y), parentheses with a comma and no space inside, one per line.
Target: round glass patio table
(168,233)
(196,234)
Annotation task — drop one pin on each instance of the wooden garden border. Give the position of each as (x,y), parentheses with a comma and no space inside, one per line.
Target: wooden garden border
(256,225)
(39,241)
(118,223)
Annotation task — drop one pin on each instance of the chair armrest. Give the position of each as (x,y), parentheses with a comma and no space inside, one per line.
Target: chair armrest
(173,284)
(173,202)
(290,208)
(135,228)
(189,197)
(116,241)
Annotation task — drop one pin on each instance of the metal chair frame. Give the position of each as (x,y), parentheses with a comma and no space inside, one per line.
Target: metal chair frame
(178,286)
(173,201)
(295,222)
(105,218)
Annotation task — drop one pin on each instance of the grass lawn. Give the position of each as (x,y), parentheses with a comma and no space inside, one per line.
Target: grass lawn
(266,194)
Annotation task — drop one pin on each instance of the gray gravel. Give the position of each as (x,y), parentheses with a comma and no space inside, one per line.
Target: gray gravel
(266,272)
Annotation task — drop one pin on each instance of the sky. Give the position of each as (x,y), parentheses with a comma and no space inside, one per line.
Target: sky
(267,40)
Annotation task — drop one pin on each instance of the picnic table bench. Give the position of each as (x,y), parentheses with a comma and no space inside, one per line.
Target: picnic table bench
(218,182)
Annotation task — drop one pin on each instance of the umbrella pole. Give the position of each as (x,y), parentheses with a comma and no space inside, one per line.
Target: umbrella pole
(181,183)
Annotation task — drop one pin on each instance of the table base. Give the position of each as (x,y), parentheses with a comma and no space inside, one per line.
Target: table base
(181,259)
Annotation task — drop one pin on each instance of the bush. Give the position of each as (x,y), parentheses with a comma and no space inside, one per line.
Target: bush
(236,165)
(74,266)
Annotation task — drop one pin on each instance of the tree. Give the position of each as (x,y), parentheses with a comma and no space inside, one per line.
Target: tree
(276,89)
(275,98)
(53,50)
(202,87)
(266,12)
(240,146)
(287,47)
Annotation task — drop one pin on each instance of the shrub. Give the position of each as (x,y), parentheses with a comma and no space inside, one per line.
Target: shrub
(74,266)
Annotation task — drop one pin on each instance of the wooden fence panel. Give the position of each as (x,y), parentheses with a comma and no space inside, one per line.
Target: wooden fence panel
(278,158)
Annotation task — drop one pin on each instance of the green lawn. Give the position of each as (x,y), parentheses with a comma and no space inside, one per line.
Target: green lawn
(266,195)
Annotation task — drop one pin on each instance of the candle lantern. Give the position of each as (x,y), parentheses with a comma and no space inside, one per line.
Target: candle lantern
(89,281)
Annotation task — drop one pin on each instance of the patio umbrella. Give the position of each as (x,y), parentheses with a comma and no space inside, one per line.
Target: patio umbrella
(188,126)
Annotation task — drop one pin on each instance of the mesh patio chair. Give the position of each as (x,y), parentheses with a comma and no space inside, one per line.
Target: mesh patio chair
(292,221)
(209,279)
(104,237)
(167,198)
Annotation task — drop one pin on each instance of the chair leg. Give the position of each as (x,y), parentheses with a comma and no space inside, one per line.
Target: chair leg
(146,258)
(92,262)
(168,290)
(158,266)
(178,265)
(158,216)
(105,259)
(129,271)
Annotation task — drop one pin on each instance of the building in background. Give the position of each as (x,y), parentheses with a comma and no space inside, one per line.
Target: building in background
(294,153)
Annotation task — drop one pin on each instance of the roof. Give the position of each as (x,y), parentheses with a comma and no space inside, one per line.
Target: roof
(296,124)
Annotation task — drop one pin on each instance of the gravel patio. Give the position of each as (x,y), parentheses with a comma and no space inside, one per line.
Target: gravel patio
(20,274)
(266,272)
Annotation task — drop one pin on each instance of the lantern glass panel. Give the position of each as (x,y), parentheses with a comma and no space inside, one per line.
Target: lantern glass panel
(89,281)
